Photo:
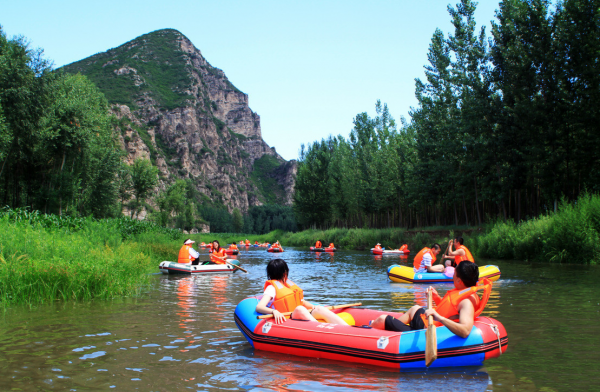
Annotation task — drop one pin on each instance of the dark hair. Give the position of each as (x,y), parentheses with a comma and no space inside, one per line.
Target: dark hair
(436,246)
(218,245)
(459,240)
(468,272)
(277,269)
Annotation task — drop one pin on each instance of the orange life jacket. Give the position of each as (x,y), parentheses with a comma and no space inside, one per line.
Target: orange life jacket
(233,246)
(448,306)
(467,256)
(331,245)
(377,246)
(318,244)
(287,296)
(419,258)
(184,255)
(218,256)
(403,247)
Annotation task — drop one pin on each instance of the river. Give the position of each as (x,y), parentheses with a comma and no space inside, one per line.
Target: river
(181,335)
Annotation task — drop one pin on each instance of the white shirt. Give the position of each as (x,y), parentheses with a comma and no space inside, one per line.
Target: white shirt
(426,262)
(193,253)
(270,292)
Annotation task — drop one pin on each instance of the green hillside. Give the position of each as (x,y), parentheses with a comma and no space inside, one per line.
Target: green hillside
(162,70)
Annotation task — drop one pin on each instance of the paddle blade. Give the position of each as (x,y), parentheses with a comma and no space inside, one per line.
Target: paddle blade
(431,345)
(431,335)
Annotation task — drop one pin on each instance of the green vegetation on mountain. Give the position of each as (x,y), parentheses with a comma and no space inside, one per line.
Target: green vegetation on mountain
(161,70)
(263,177)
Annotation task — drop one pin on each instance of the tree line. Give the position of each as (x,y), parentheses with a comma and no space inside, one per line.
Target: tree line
(506,126)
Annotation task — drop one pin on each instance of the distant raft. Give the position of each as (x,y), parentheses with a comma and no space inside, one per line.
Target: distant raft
(403,274)
(383,251)
(328,249)
(275,250)
(172,268)
(361,344)
(232,251)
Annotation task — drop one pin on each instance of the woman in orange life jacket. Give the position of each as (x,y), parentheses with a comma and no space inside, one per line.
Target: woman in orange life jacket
(331,246)
(458,313)
(461,253)
(218,255)
(378,246)
(319,244)
(282,295)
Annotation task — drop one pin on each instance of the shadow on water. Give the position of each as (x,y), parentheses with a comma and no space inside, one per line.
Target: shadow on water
(181,334)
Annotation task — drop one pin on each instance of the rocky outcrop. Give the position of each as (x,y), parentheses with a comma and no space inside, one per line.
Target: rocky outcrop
(189,119)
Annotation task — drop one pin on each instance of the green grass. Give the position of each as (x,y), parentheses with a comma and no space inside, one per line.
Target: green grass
(571,235)
(44,258)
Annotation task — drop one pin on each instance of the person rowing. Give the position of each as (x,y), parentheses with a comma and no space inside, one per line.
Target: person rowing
(218,255)
(425,259)
(457,310)
(281,295)
(461,253)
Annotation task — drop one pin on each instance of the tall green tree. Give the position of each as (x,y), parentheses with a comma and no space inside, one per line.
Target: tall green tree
(144,179)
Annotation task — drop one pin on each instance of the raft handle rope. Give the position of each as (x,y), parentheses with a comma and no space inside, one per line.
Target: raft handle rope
(497,332)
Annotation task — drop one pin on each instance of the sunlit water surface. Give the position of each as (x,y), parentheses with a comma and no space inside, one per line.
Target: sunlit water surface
(181,335)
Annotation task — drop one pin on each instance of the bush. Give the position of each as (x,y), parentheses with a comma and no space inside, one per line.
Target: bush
(571,235)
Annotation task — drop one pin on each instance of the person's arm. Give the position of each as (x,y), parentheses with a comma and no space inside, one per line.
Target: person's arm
(435,296)
(262,308)
(194,253)
(463,327)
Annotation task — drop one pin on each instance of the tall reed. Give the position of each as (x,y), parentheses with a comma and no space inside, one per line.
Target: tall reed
(571,235)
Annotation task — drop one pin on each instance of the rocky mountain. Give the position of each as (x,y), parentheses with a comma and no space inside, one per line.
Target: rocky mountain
(183,114)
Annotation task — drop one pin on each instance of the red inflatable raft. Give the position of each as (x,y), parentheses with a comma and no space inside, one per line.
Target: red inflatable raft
(328,249)
(398,350)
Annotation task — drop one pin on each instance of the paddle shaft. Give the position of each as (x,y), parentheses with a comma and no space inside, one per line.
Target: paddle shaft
(268,316)
(431,336)
(236,266)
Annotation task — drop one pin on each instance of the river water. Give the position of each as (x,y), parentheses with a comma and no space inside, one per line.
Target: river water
(181,335)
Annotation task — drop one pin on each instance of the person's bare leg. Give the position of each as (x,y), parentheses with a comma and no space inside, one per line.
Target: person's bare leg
(436,268)
(301,313)
(327,315)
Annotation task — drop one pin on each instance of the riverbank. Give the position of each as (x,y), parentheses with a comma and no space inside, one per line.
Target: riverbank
(45,258)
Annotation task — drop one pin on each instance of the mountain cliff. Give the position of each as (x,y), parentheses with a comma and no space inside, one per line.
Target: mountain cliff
(183,114)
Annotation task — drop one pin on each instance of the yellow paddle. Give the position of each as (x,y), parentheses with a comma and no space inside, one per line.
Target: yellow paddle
(431,336)
(268,316)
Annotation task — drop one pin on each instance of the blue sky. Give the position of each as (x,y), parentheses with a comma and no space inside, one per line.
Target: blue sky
(308,67)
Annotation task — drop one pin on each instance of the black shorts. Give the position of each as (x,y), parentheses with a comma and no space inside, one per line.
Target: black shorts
(393,324)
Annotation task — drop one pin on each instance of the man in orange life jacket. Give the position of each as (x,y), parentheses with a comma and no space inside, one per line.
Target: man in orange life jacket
(187,254)
(425,259)
(319,244)
(457,310)
(461,253)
